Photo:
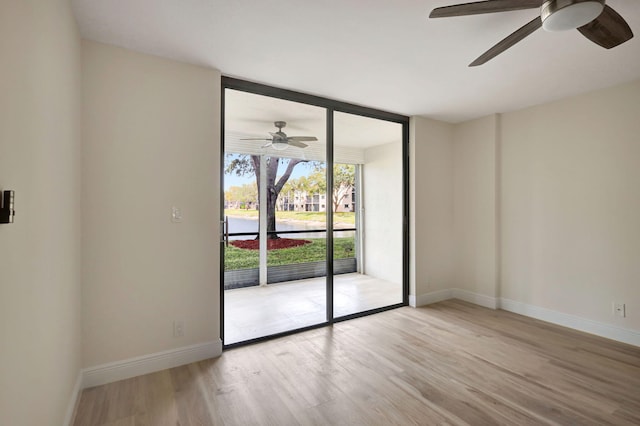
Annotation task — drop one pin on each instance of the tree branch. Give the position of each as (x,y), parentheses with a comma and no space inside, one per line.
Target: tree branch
(255,160)
(287,173)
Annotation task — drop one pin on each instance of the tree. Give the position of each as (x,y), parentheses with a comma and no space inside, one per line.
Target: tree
(344,179)
(245,194)
(316,182)
(244,165)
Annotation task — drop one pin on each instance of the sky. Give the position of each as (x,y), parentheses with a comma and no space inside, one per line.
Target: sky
(230,180)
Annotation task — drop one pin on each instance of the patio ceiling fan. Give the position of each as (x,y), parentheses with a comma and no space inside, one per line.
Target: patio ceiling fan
(280,141)
(593,18)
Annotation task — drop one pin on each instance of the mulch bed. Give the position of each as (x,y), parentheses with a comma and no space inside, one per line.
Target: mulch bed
(279,243)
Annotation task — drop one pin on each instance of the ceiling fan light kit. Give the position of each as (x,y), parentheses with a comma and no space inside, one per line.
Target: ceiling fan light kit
(595,20)
(279,145)
(563,15)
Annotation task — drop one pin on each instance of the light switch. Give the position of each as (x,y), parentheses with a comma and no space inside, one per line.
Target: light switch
(176,214)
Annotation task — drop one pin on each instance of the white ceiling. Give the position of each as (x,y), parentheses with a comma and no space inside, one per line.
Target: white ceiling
(378,53)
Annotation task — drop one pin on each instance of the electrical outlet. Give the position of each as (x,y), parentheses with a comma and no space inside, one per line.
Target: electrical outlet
(619,309)
(178,328)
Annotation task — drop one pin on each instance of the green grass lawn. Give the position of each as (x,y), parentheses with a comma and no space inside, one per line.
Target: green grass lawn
(236,258)
(340,217)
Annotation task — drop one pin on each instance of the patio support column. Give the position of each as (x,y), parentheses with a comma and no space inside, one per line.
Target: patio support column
(329,211)
(263,220)
(359,212)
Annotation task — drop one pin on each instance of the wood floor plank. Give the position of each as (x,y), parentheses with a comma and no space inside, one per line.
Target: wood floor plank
(451,363)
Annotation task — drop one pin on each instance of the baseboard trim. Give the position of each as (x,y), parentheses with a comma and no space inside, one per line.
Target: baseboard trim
(608,331)
(619,334)
(73,401)
(429,298)
(132,367)
(475,298)
(453,293)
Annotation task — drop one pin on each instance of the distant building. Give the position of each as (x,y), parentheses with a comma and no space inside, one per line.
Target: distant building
(301,201)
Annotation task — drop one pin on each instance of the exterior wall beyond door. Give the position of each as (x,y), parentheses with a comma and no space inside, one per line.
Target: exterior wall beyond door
(382,217)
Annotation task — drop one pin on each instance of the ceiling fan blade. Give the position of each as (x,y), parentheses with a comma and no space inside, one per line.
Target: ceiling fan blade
(267,145)
(302,138)
(479,7)
(297,143)
(508,42)
(254,139)
(608,30)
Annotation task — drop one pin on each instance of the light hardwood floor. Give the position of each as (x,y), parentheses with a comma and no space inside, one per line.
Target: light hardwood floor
(448,363)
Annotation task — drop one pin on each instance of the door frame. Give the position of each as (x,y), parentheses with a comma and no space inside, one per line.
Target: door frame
(331,106)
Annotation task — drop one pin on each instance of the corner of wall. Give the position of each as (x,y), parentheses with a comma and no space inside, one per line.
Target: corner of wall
(431,206)
(476,209)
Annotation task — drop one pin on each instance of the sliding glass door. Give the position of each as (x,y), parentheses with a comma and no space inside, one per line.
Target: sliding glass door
(314,206)
(275,237)
(368,198)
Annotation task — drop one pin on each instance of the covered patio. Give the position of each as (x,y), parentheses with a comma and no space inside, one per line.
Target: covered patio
(258,311)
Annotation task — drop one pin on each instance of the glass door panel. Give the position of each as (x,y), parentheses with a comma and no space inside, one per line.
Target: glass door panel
(274,185)
(367,214)
(298,266)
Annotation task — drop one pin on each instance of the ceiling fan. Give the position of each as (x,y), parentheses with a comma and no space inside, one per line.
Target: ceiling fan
(593,18)
(280,141)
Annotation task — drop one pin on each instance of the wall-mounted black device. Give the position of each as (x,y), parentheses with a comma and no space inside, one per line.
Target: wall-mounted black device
(6,211)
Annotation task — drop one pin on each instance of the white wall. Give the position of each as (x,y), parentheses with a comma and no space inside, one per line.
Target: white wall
(570,187)
(152,140)
(474,212)
(431,206)
(545,212)
(40,337)
(382,194)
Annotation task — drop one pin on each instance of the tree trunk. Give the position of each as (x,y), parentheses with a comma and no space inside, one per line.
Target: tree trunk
(273,188)
(271,212)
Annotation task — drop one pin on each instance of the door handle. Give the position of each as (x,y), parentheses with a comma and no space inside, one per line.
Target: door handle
(224,231)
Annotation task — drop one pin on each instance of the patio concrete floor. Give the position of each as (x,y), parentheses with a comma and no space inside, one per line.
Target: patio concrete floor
(253,312)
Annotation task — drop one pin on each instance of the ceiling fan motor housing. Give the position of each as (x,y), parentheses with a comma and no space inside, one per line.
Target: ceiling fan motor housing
(280,136)
(562,15)
(279,142)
